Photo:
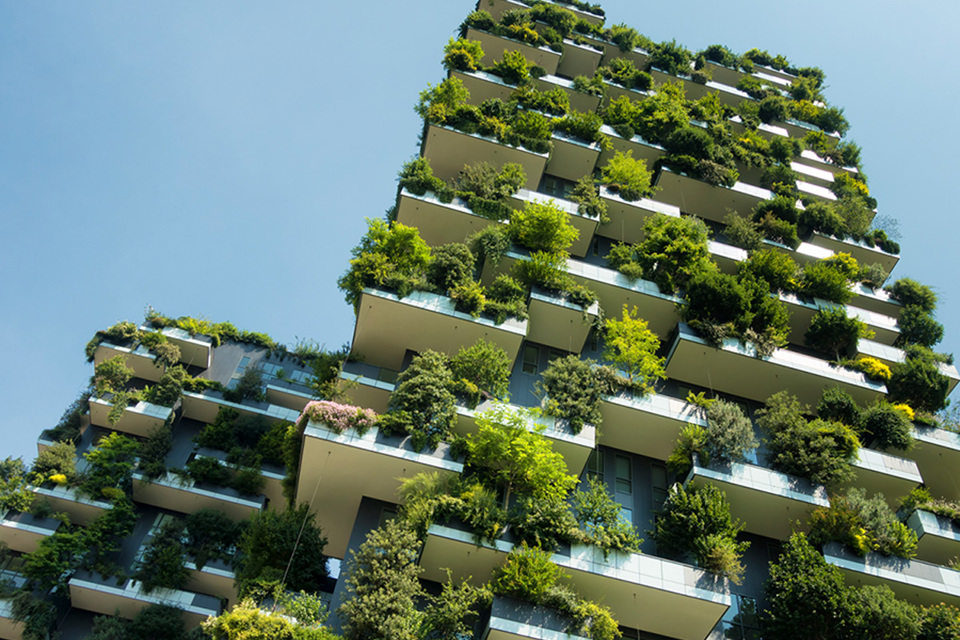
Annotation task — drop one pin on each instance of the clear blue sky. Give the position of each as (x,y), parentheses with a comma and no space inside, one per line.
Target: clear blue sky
(218,159)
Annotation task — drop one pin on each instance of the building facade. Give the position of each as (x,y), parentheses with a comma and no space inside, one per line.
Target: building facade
(571,176)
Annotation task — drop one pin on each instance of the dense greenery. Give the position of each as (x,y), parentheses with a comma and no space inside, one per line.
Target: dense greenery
(728,437)
(863,524)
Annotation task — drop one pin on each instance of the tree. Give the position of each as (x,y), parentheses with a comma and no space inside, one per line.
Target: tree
(483,365)
(599,519)
(111,375)
(673,249)
(627,175)
(517,458)
(423,403)
(833,332)
(15,493)
(392,255)
(807,597)
(452,266)
(889,427)
(110,464)
(164,562)
(632,347)
(383,586)
(878,615)
(285,546)
(775,268)
(918,382)
(917,326)
(573,392)
(542,226)
(910,292)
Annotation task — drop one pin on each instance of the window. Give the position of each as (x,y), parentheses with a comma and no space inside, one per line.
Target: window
(554,354)
(658,485)
(595,465)
(741,621)
(531,359)
(624,475)
(554,186)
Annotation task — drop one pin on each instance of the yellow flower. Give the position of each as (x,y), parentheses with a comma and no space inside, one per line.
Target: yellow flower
(58,478)
(906,409)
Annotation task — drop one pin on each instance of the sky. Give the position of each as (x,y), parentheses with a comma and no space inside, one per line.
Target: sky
(218,159)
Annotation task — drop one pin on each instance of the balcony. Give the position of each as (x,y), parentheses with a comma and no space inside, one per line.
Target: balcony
(937,454)
(614,290)
(727,257)
(571,157)
(891,356)
(802,311)
(90,592)
(707,201)
(143,363)
(450,150)
(876,300)
(23,532)
(272,477)
(734,368)
(82,510)
(495,46)
(9,628)
(798,129)
(140,419)
(769,502)
(810,159)
(439,222)
(498,7)
(574,447)
(184,495)
(729,96)
(559,323)
(388,326)
(578,60)
(938,538)
(512,619)
(640,148)
(204,407)
(484,86)
(349,466)
(627,218)
(891,475)
(647,425)
(579,101)
(287,397)
(644,592)
(915,581)
(863,253)
(214,579)
(195,351)
(365,385)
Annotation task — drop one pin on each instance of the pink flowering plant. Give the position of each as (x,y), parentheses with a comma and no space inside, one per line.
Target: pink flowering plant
(339,417)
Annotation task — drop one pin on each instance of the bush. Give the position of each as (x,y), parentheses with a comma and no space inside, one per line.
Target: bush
(583,126)
(773,267)
(483,180)
(388,254)
(716,298)
(822,217)
(671,57)
(572,392)
(542,226)
(600,521)
(823,280)
(819,451)
(863,524)
(485,367)
(58,459)
(888,426)
(590,203)
(741,232)
(462,55)
(837,405)
(697,521)
(729,432)
(626,176)
(164,562)
(777,230)
(919,383)
(873,368)
(513,68)
(452,266)
(917,326)
(422,402)
(673,250)
(417,177)
(528,573)
(543,269)
(111,375)
(833,332)
(910,292)
(110,465)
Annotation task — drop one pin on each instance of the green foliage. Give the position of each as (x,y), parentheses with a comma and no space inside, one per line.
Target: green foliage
(627,176)
(887,427)
(917,326)
(57,459)
(599,520)
(417,177)
(423,404)
(36,615)
(438,102)
(632,347)
(591,205)
(673,250)
(110,465)
(528,573)
(513,68)
(623,72)
(775,268)
(715,298)
(836,405)
(111,375)
(449,614)
(832,331)
(153,452)
(516,459)
(742,232)
(697,521)
(392,256)
(910,292)
(671,57)
(169,389)
(728,437)
(15,493)
(210,534)
(248,387)
(164,562)
(584,127)
(285,546)
(573,394)
(819,451)
(382,586)
(939,622)
(918,382)
(863,524)
(248,621)
(451,267)
(483,181)
(484,367)
(806,596)
(542,226)
(462,55)
(879,615)
(821,279)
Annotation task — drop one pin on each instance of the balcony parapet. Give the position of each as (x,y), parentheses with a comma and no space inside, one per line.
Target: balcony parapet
(881,472)
(81,509)
(185,495)
(139,419)
(23,531)
(938,537)
(138,358)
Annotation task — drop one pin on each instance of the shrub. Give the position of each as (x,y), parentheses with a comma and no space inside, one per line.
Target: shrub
(543,269)
(888,426)
(600,521)
(572,391)
(590,203)
(773,267)
(483,180)
(110,464)
(542,226)
(484,366)
(469,298)
(388,255)
(863,524)
(462,55)
(729,432)
(513,68)
(776,230)
(58,459)
(632,347)
(422,402)
(819,451)
(697,521)
(14,491)
(528,573)
(939,622)
(873,368)
(742,232)
(671,57)
(917,326)
(437,103)
(584,127)
(111,375)
(822,280)
(417,177)
(626,176)
(910,292)
(837,405)
(673,250)
(452,266)
(832,331)
(164,562)
(716,298)
(918,382)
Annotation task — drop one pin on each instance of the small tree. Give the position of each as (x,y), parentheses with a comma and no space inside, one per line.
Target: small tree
(917,326)
(484,367)
(673,249)
(599,519)
(838,406)
(918,382)
(910,292)
(452,266)
(14,491)
(833,332)
(390,255)
(423,404)
(627,176)
(383,587)
(632,347)
(888,426)
(542,226)
(572,391)
(111,375)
